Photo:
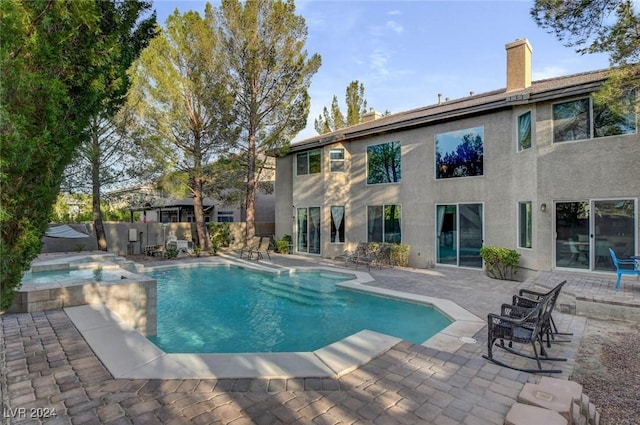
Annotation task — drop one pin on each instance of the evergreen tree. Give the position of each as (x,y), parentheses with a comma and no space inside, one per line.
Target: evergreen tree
(601,26)
(334,120)
(262,43)
(55,60)
(182,103)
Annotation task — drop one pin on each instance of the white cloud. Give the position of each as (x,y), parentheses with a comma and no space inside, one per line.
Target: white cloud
(394,13)
(550,71)
(378,62)
(394,26)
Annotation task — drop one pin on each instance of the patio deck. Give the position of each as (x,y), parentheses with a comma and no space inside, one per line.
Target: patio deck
(46,366)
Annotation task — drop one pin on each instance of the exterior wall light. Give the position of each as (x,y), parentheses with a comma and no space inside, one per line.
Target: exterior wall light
(543,207)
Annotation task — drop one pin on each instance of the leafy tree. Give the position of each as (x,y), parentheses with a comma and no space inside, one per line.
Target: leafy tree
(356,108)
(55,57)
(182,102)
(599,26)
(263,47)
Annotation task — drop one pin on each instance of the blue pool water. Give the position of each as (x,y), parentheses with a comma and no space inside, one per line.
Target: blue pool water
(232,310)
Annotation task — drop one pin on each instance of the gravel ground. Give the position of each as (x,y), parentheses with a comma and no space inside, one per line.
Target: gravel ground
(608,367)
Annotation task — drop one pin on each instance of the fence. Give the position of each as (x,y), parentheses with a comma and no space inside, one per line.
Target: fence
(131,238)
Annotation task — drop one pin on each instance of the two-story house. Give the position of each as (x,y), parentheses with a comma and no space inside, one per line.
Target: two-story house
(537,166)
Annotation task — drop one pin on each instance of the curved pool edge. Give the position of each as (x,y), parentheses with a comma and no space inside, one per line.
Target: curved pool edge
(128,354)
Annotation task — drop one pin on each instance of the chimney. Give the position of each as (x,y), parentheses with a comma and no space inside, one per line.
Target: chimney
(518,65)
(370,116)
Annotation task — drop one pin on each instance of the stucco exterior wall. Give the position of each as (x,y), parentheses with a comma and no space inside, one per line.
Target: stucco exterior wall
(601,168)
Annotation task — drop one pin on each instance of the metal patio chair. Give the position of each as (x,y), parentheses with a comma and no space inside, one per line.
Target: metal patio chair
(527,298)
(522,326)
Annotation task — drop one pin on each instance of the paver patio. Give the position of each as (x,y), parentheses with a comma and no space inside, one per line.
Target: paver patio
(47,368)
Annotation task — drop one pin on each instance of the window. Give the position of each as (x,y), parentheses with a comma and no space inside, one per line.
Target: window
(610,122)
(308,220)
(524,131)
(383,223)
(584,119)
(308,162)
(571,121)
(337,224)
(525,231)
(336,156)
(460,153)
(225,216)
(383,163)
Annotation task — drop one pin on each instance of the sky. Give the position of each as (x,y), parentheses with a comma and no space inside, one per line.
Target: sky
(407,52)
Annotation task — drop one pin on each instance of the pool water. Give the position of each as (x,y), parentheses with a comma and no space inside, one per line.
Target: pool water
(95,274)
(233,310)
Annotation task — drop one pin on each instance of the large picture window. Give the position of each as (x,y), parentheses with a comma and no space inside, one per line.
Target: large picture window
(524,131)
(384,223)
(460,153)
(383,163)
(525,229)
(584,119)
(308,162)
(337,224)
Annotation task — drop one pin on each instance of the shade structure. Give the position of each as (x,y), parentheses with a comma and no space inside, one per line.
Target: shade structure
(64,231)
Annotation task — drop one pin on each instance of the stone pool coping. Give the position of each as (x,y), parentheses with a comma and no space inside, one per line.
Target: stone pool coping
(128,354)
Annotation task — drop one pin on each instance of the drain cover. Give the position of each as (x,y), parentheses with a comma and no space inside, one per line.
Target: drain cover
(467,340)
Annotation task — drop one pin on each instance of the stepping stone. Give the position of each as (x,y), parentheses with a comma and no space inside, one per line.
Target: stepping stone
(555,385)
(548,397)
(524,414)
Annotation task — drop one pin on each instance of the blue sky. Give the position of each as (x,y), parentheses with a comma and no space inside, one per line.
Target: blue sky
(406,52)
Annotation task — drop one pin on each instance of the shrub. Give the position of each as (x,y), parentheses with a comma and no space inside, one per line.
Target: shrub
(220,235)
(400,254)
(282,245)
(172,253)
(500,263)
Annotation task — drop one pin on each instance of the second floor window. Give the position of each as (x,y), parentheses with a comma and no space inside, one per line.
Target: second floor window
(524,131)
(383,163)
(337,160)
(308,162)
(584,119)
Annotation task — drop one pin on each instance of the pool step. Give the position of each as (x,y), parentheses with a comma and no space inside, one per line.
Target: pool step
(306,283)
(299,295)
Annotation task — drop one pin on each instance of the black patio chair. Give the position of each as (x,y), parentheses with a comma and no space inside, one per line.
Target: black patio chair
(527,298)
(520,325)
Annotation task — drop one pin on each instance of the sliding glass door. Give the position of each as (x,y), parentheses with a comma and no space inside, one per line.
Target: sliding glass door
(459,230)
(585,230)
(308,229)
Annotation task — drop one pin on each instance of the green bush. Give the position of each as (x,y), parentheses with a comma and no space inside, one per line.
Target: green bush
(282,245)
(400,254)
(500,263)
(220,235)
(172,253)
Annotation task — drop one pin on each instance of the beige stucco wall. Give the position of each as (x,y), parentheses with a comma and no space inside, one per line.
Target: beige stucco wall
(547,172)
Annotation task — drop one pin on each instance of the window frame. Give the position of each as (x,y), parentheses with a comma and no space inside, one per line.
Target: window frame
(384,230)
(307,162)
(519,147)
(337,234)
(368,174)
(333,161)
(592,128)
(528,224)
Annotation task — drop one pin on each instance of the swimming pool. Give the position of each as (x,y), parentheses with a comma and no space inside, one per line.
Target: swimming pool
(226,309)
